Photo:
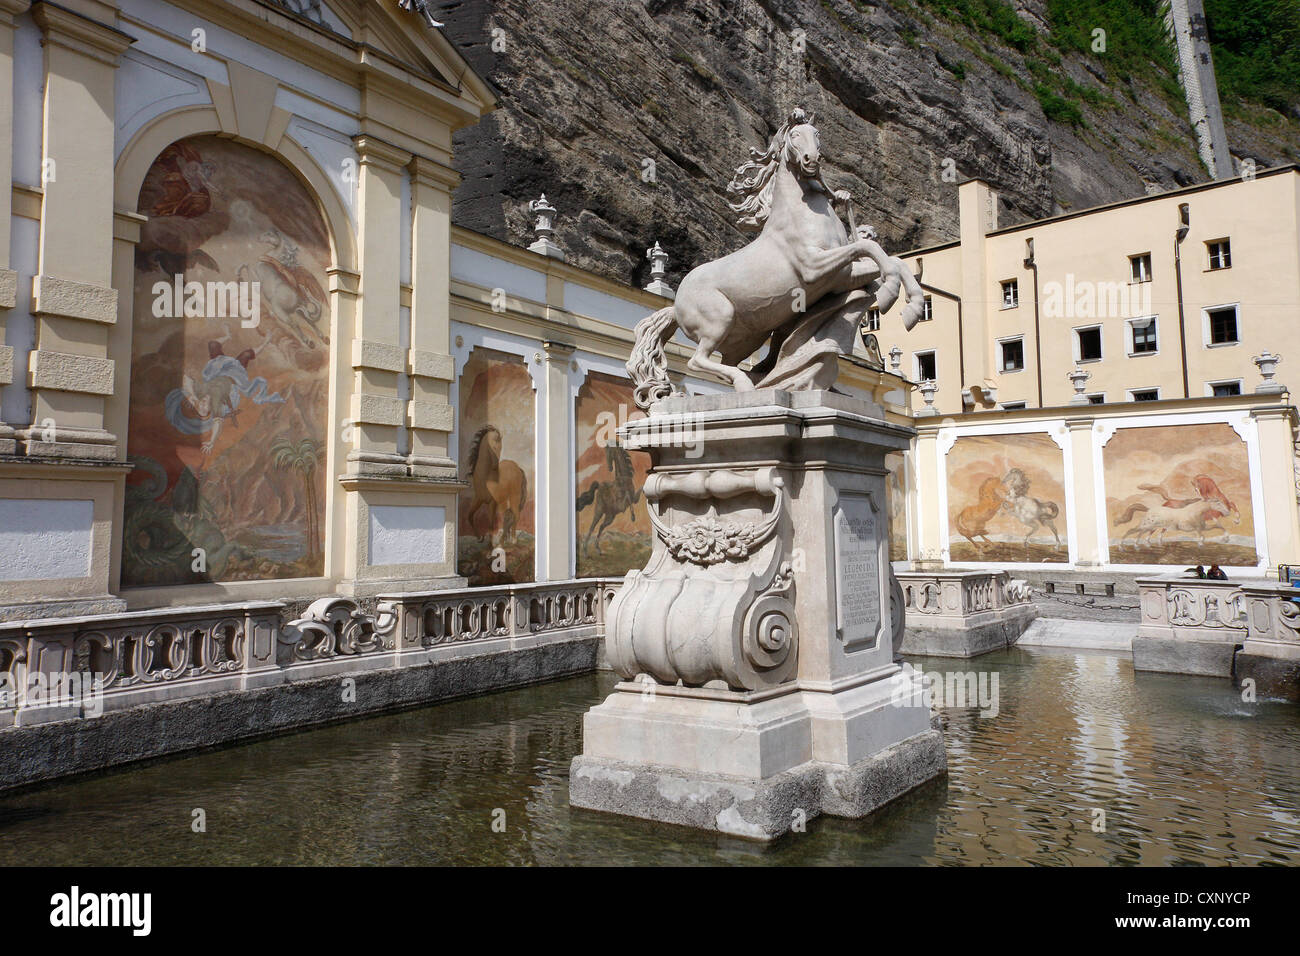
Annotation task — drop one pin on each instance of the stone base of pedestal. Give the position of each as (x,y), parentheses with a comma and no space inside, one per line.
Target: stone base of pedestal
(1275,678)
(747,763)
(1180,656)
(762,809)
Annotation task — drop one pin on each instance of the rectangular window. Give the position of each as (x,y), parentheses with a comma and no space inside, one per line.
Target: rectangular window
(1140,267)
(1013,406)
(1013,355)
(1221,389)
(1088,344)
(1010,294)
(1223,325)
(1098,399)
(1144,335)
(873,320)
(925,367)
(1220,254)
(1145,395)
(928,313)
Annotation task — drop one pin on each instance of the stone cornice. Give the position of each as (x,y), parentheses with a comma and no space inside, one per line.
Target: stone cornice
(12,8)
(377,152)
(70,30)
(430,172)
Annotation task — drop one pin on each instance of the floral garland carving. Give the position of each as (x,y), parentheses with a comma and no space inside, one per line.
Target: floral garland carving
(706,540)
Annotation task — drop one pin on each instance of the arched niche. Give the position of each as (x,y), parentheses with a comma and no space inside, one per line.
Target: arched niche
(230,367)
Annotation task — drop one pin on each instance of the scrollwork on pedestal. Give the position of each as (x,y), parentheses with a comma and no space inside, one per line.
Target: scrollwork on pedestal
(716,601)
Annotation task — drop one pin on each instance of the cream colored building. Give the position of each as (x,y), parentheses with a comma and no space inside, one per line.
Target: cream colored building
(1161,297)
(245,355)
(352,102)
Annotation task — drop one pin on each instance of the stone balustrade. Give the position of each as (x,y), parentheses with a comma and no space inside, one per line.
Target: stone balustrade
(956,613)
(62,668)
(1217,628)
(440,618)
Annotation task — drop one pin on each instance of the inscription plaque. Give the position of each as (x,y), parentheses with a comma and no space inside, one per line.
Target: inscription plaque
(857,571)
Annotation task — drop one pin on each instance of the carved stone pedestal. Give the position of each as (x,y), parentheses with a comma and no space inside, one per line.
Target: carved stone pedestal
(760,687)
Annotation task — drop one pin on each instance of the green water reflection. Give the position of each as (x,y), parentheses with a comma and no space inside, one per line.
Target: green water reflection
(1185,771)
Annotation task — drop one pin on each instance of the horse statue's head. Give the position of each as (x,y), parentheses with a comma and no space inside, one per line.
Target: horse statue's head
(803,146)
(796,145)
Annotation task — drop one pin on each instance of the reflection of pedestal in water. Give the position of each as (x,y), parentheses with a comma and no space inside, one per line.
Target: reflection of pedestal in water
(759,679)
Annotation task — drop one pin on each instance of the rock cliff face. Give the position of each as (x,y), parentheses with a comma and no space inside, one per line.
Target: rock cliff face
(632,115)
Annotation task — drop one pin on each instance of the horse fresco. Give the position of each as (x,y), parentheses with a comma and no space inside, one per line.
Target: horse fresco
(972,522)
(498,484)
(798,278)
(1030,512)
(610,498)
(1180,495)
(1005,493)
(1188,515)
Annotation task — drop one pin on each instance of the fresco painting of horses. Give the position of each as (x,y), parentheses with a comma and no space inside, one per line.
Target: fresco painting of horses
(229,372)
(1179,495)
(613,529)
(497,448)
(1006,496)
(896,504)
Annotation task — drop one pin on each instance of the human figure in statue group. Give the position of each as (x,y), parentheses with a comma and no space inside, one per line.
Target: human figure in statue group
(1216,573)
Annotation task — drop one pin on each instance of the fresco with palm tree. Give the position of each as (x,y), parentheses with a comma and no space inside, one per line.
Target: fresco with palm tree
(612,527)
(227,428)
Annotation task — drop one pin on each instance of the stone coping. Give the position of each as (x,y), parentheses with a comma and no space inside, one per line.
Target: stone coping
(126,618)
(494,590)
(1232,584)
(951,573)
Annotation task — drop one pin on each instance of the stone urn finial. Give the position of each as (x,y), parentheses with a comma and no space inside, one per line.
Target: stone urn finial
(927,389)
(658,269)
(895,359)
(545,228)
(1079,379)
(1267,364)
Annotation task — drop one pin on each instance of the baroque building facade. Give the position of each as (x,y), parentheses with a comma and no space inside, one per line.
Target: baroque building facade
(226,333)
(246,355)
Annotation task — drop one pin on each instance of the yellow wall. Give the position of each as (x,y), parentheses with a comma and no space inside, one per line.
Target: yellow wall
(1259,216)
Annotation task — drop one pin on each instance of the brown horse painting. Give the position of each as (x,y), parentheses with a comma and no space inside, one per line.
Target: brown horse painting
(499,485)
(611,498)
(972,522)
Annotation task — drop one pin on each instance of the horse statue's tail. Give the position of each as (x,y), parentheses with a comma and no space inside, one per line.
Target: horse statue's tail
(587,497)
(523,490)
(647,364)
(1050,508)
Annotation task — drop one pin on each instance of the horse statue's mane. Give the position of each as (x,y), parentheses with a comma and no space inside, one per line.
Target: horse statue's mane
(474,448)
(754,180)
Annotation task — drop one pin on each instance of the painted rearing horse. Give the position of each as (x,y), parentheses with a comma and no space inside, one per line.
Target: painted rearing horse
(733,304)
(611,498)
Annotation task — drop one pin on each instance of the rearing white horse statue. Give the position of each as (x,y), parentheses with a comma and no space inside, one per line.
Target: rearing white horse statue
(801,255)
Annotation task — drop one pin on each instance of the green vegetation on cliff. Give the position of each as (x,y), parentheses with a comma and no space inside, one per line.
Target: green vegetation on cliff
(1256,47)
